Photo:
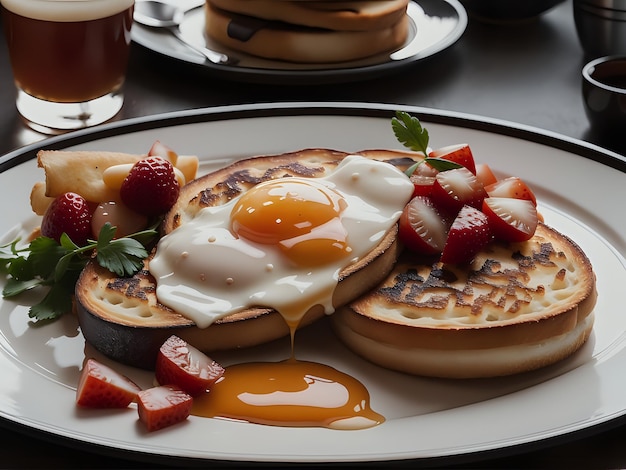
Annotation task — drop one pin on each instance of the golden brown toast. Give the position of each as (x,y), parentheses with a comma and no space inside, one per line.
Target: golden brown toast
(516,308)
(122,317)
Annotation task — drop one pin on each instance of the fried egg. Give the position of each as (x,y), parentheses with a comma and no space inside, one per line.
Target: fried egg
(280,245)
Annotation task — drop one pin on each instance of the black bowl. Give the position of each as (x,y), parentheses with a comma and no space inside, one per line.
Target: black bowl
(508,10)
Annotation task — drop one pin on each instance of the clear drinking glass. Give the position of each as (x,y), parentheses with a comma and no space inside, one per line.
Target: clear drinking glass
(69,59)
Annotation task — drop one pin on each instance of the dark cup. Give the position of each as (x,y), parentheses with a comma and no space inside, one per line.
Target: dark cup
(604,93)
(601,26)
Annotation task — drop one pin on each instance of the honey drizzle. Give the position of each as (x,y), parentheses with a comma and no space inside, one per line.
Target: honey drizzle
(290,393)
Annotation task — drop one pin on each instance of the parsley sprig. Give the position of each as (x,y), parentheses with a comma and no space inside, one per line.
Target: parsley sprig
(410,133)
(57,266)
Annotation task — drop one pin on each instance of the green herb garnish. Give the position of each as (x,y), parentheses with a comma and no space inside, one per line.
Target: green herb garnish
(410,133)
(57,266)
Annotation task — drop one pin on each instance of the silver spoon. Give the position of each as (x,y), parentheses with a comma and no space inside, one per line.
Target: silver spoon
(155,14)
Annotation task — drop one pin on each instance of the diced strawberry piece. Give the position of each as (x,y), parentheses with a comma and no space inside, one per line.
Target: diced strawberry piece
(151,187)
(102,387)
(181,364)
(470,232)
(485,174)
(511,219)
(422,228)
(69,213)
(163,406)
(455,188)
(424,169)
(511,187)
(422,184)
(423,178)
(461,154)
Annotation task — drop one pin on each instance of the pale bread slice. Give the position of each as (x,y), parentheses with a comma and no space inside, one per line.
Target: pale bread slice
(299,44)
(516,308)
(122,318)
(81,172)
(356,15)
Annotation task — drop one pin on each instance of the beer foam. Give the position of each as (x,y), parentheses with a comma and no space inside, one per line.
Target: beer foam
(66,10)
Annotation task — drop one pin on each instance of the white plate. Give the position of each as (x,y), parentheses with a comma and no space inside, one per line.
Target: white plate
(434,26)
(578,187)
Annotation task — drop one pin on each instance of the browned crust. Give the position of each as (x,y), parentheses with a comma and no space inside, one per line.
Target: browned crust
(368,318)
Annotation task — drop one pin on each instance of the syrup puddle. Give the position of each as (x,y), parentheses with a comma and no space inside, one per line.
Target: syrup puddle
(289,393)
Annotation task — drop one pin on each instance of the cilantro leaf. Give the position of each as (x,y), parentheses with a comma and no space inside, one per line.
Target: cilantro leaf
(145,237)
(107,233)
(57,266)
(409,132)
(62,266)
(44,255)
(67,243)
(8,253)
(19,268)
(57,301)
(441,164)
(123,256)
(15,287)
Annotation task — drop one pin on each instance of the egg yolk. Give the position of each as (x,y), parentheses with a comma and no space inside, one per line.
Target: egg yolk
(301,217)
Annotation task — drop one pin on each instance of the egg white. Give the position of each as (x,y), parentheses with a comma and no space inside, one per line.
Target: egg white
(205,272)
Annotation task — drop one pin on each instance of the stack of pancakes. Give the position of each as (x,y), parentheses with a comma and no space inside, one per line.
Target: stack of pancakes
(308,31)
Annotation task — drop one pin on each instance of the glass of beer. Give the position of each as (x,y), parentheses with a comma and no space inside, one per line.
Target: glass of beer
(69,59)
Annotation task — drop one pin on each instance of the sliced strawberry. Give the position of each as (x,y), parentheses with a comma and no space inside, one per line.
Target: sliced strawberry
(455,188)
(422,184)
(162,406)
(69,213)
(511,219)
(511,187)
(181,364)
(469,233)
(485,175)
(422,228)
(100,386)
(461,154)
(151,187)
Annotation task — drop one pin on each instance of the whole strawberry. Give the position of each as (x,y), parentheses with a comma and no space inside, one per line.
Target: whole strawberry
(69,213)
(151,187)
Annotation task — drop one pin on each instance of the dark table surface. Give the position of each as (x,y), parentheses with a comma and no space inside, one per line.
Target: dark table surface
(527,72)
